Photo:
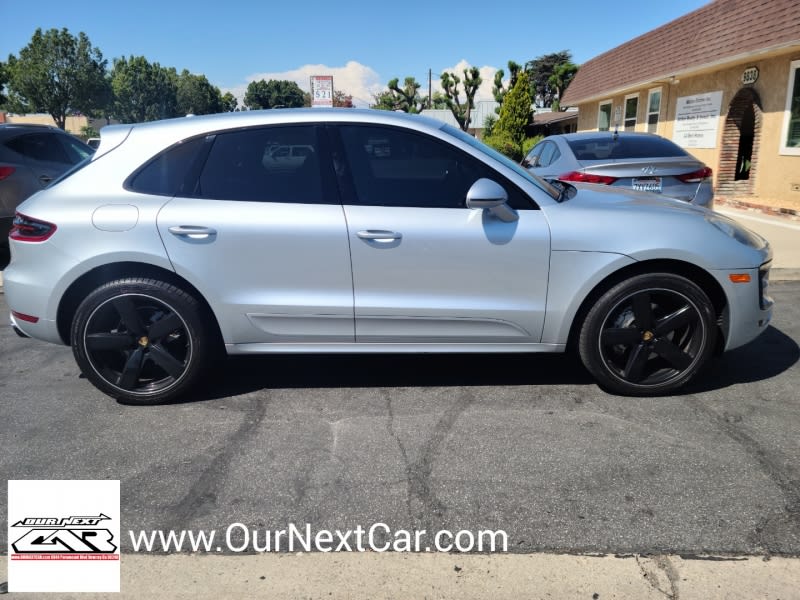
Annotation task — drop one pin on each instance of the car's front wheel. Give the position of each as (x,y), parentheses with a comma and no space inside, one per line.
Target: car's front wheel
(648,335)
(141,341)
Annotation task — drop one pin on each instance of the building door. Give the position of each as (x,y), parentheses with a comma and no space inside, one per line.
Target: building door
(740,143)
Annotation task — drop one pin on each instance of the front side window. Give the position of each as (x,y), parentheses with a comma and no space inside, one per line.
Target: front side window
(653,110)
(790,137)
(396,167)
(267,164)
(631,108)
(604,116)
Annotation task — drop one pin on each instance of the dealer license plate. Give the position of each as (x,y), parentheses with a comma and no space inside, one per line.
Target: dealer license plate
(647,184)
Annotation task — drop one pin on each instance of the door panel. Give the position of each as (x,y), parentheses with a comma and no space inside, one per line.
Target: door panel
(454,275)
(265,245)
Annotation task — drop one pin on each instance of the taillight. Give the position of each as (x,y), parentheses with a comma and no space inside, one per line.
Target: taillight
(695,176)
(5,172)
(26,229)
(587,178)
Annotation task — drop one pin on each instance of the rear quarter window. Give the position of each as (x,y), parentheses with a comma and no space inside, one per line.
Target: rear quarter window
(168,174)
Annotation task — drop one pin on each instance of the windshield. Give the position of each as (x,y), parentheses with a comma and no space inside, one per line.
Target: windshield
(479,145)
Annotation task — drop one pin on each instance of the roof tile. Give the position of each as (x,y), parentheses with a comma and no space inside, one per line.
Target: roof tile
(719,30)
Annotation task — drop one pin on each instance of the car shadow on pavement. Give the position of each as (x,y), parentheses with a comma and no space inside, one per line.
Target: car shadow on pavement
(241,375)
(769,355)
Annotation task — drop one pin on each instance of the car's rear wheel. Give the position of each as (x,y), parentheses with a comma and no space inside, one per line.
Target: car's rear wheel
(141,341)
(648,335)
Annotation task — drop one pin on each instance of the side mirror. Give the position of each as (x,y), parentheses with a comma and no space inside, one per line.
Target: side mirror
(489,195)
(530,163)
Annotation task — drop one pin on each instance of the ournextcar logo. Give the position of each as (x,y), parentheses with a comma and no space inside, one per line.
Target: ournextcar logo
(51,538)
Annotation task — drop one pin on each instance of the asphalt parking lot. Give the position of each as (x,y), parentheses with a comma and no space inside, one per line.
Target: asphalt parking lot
(526,444)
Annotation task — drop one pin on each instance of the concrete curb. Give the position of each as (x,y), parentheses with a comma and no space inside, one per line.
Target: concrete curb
(395,575)
(789,213)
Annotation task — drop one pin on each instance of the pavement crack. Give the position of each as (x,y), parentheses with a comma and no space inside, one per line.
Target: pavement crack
(782,478)
(202,496)
(424,508)
(660,574)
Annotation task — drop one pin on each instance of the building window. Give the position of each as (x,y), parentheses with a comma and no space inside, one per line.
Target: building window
(653,109)
(790,136)
(631,108)
(604,116)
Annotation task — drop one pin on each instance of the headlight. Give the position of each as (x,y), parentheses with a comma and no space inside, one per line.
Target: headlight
(733,229)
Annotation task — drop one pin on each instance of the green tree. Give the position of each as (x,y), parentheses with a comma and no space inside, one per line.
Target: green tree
(450,82)
(342,99)
(196,96)
(58,73)
(275,93)
(516,112)
(498,90)
(540,70)
(229,102)
(562,75)
(406,98)
(3,82)
(143,91)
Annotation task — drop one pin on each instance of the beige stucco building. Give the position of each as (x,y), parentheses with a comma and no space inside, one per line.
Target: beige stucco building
(722,81)
(74,124)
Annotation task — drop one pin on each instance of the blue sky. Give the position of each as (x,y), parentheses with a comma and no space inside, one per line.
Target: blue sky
(363,44)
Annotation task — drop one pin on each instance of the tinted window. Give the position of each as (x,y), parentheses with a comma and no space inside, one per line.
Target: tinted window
(76,151)
(624,147)
(549,154)
(270,164)
(41,147)
(395,167)
(168,173)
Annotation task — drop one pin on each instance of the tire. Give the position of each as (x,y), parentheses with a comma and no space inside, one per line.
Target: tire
(648,335)
(141,341)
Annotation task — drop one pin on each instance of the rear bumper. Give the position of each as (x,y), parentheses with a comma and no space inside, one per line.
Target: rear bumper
(16,327)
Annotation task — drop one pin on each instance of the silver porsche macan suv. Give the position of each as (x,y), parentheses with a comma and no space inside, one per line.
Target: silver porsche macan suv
(387,233)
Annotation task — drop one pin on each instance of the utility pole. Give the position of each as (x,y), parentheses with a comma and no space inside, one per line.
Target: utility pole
(430,89)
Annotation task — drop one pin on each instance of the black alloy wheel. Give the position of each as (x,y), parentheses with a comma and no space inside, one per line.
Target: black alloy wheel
(140,341)
(648,335)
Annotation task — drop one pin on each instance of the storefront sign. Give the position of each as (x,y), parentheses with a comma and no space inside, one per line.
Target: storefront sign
(697,120)
(321,90)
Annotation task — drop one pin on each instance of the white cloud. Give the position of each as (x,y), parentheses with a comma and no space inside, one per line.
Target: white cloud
(355,79)
(487,76)
(363,82)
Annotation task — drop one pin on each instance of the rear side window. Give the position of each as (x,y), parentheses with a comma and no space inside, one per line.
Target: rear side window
(623,147)
(44,147)
(266,164)
(168,174)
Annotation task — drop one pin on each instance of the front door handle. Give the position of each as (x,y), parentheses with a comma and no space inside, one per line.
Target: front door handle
(195,232)
(380,235)
(45,179)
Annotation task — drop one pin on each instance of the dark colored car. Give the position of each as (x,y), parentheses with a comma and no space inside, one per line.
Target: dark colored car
(31,156)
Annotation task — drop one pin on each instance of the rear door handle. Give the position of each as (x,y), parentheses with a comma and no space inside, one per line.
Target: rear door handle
(195,232)
(45,179)
(379,235)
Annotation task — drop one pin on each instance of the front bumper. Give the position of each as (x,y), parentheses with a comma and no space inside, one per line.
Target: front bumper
(749,308)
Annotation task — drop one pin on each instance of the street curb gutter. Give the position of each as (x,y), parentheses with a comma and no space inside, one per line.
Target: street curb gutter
(403,575)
